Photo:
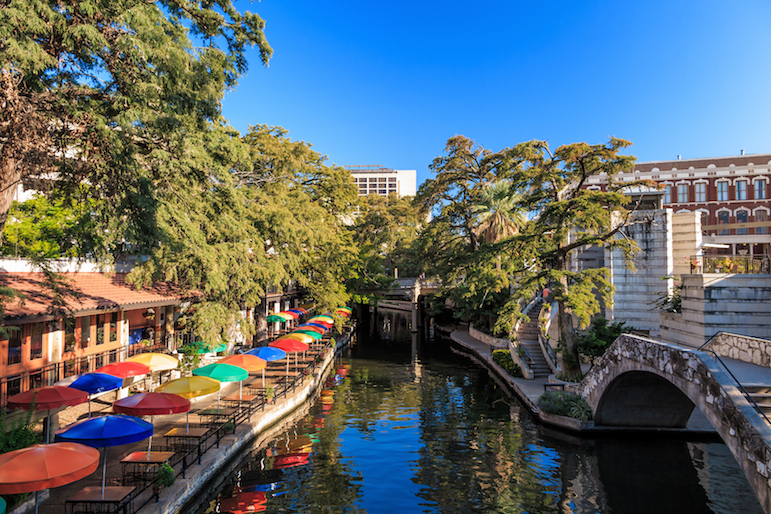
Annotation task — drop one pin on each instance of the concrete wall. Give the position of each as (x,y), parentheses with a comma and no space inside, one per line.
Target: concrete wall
(717,302)
(637,290)
(686,240)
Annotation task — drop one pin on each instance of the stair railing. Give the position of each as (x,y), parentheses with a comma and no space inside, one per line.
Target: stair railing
(519,354)
(544,322)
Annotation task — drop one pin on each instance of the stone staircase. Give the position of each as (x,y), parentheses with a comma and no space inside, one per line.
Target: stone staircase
(528,338)
(761,395)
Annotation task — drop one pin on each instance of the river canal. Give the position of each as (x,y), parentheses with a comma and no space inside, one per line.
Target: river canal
(409,426)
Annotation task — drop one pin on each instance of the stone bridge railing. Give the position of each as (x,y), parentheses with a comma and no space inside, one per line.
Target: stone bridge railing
(640,382)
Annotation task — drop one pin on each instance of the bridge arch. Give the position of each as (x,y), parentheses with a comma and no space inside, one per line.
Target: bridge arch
(640,382)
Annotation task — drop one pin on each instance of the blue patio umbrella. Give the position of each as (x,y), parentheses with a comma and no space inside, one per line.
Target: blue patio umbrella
(94,383)
(317,325)
(106,431)
(268,353)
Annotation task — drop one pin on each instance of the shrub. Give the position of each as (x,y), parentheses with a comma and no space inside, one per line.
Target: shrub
(165,476)
(562,403)
(503,359)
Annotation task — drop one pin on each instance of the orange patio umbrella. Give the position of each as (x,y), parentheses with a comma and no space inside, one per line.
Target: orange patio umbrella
(42,466)
(248,362)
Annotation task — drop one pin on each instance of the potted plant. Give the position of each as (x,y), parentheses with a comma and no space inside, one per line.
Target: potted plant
(164,478)
(270,392)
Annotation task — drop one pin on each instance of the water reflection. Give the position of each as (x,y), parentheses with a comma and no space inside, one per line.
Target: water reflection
(406,426)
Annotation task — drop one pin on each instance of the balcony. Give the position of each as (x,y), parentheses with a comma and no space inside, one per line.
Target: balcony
(735,264)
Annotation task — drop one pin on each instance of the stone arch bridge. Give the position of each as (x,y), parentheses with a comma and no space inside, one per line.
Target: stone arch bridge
(640,382)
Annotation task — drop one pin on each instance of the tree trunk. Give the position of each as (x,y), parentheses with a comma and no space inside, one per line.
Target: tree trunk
(567,332)
(9,179)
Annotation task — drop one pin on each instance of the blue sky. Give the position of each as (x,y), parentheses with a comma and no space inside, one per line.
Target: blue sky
(389,82)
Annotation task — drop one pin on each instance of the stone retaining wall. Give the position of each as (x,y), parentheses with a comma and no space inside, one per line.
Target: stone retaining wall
(496,342)
(744,348)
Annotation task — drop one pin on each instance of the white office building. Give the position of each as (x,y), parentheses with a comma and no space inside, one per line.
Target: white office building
(379,180)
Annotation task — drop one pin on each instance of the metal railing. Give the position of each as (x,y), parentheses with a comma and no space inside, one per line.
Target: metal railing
(737,264)
(183,460)
(744,392)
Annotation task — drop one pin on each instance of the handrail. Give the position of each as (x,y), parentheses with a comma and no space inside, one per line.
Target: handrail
(746,393)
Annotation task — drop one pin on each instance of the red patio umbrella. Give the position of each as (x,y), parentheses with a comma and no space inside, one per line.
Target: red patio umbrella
(288,344)
(43,466)
(151,404)
(47,398)
(125,369)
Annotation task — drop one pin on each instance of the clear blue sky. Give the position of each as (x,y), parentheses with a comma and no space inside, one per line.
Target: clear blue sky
(389,82)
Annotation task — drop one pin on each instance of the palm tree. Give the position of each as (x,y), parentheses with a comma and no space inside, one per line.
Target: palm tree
(498,213)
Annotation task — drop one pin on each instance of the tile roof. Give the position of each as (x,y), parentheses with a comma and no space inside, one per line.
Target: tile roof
(92,291)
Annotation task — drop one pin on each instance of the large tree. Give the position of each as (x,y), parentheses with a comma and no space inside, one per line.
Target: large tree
(568,216)
(120,94)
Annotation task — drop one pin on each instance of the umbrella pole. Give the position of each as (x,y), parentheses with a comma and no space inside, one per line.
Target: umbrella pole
(104,470)
(187,421)
(263,378)
(150,443)
(36,493)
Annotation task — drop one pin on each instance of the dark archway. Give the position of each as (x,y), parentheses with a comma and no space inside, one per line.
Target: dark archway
(643,399)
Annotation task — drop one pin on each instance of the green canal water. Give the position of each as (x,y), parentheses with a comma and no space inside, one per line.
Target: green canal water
(408,426)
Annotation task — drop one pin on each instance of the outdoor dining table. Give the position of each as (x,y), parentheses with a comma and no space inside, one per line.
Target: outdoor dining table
(213,415)
(141,467)
(118,499)
(180,438)
(239,398)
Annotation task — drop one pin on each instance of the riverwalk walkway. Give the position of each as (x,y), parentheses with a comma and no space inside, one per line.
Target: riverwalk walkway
(224,443)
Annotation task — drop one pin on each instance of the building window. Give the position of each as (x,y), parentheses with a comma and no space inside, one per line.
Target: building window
(682,193)
(69,334)
(668,194)
(722,219)
(13,386)
(741,217)
(392,179)
(36,341)
(14,345)
(85,331)
(704,219)
(100,329)
(700,190)
(741,189)
(722,191)
(113,327)
(761,216)
(760,189)
(36,380)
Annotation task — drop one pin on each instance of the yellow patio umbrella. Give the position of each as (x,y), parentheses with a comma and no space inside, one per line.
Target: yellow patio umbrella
(305,338)
(190,387)
(155,361)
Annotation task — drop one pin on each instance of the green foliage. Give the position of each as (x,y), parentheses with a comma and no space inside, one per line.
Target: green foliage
(165,477)
(563,403)
(599,337)
(504,360)
(670,302)
(50,228)
(384,232)
(17,434)
(270,392)
(190,358)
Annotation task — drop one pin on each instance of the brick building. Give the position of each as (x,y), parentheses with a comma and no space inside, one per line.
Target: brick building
(730,193)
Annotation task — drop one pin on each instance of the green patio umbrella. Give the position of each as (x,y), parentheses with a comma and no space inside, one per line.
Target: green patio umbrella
(314,335)
(224,373)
